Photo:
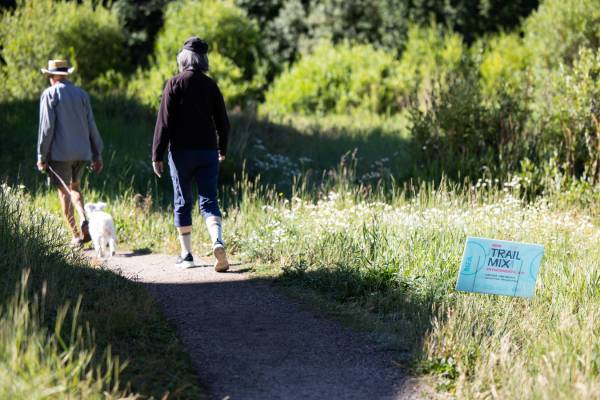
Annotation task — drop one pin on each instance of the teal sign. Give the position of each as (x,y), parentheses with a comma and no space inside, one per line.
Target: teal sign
(499,267)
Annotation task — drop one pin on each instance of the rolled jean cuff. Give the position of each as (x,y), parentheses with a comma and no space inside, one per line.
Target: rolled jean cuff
(183,219)
(212,213)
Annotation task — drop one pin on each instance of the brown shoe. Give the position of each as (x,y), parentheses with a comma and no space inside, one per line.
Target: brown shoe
(85,231)
(222,264)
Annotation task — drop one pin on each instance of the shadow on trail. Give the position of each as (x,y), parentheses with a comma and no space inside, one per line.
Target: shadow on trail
(395,311)
(248,341)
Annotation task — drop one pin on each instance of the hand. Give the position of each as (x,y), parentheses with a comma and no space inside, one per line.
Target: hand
(221,158)
(158,168)
(42,166)
(97,166)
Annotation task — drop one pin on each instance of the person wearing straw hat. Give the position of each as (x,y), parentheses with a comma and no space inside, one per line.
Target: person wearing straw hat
(192,123)
(68,139)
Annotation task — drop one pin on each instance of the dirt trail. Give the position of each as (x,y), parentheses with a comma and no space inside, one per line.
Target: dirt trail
(247,341)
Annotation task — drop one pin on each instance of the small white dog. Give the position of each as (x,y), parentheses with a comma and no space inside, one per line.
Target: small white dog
(102,229)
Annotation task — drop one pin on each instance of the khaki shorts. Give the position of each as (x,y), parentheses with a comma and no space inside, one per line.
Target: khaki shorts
(69,172)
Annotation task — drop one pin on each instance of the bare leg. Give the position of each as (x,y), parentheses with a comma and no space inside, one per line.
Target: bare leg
(77,199)
(67,209)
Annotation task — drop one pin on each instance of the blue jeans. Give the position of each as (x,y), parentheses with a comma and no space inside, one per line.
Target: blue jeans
(187,166)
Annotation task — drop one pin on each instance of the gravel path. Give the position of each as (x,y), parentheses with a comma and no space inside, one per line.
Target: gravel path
(247,341)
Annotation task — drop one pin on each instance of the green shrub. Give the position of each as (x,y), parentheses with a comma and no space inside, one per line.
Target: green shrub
(559,28)
(288,26)
(462,135)
(378,22)
(504,63)
(283,25)
(335,79)
(234,54)
(471,18)
(563,38)
(431,55)
(568,115)
(36,31)
(344,78)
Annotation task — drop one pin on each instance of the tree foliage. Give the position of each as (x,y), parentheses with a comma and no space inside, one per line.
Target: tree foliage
(234,49)
(293,27)
(335,79)
(557,31)
(141,21)
(348,77)
(36,31)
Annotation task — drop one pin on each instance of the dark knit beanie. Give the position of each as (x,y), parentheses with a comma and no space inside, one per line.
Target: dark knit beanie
(196,45)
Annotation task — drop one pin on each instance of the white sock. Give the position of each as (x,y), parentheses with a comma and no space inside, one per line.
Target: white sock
(185,239)
(215,231)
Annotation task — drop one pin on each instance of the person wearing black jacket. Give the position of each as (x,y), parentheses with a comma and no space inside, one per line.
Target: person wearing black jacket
(192,124)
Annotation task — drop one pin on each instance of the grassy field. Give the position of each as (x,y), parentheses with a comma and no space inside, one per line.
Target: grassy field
(327,207)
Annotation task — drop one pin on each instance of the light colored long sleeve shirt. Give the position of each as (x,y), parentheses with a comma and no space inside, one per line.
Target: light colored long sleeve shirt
(67,130)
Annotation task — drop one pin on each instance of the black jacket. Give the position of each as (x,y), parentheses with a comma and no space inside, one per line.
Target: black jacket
(192,115)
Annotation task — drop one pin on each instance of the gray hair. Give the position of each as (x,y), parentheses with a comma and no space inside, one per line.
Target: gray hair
(187,59)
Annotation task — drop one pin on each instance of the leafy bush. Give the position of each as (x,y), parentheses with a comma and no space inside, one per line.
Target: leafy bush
(234,54)
(504,63)
(569,115)
(89,36)
(335,79)
(283,25)
(532,109)
(431,55)
(559,28)
(471,18)
(461,135)
(344,78)
(378,22)
(563,38)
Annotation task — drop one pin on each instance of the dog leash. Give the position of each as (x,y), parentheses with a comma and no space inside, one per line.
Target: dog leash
(66,187)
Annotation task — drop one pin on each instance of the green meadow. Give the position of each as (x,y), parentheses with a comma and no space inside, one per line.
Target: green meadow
(360,160)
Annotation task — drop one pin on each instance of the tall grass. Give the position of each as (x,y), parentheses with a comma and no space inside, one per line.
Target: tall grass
(75,331)
(60,362)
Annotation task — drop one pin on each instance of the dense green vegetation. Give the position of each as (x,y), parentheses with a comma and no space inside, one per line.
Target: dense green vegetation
(369,139)
(91,38)
(234,50)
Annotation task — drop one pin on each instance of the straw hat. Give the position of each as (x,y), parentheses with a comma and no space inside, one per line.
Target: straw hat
(57,67)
